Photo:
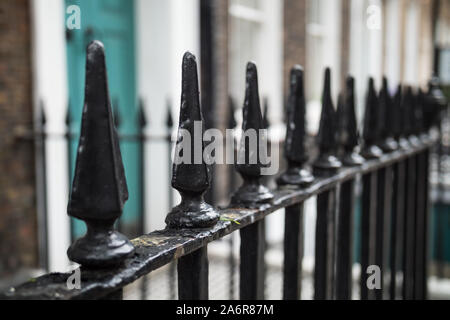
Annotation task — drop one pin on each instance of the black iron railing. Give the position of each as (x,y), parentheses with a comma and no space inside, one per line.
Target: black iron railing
(393,164)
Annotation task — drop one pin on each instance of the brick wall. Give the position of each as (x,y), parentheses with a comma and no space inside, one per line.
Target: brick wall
(18,242)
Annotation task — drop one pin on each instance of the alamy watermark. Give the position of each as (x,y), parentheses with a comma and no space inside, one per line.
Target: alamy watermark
(218,149)
(73,20)
(74,280)
(374,278)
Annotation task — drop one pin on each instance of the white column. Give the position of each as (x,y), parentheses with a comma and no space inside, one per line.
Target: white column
(50,88)
(165,30)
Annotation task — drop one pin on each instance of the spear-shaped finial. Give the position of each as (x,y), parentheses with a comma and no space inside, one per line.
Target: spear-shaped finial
(190,174)
(327,163)
(266,123)
(348,129)
(294,147)
(371,125)
(387,142)
(231,123)
(436,102)
(397,122)
(141,115)
(409,110)
(401,118)
(418,113)
(99,188)
(252,157)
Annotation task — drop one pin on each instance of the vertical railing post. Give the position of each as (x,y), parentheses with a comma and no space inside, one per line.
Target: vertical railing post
(99,188)
(326,164)
(41,177)
(398,201)
(384,190)
(168,139)
(369,194)
(421,198)
(141,123)
(252,193)
(294,177)
(191,177)
(348,141)
(410,203)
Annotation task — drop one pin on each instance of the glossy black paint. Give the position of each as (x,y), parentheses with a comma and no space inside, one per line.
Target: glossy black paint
(194,178)
(99,188)
(327,162)
(252,193)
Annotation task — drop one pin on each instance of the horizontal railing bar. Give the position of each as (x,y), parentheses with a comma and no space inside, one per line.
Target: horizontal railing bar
(159,248)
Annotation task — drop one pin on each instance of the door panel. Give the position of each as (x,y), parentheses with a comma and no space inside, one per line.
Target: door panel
(112,22)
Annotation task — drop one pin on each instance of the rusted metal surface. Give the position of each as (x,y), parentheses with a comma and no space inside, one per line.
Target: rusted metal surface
(348,133)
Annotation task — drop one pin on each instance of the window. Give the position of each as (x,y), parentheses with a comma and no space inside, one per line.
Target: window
(323,50)
(255,34)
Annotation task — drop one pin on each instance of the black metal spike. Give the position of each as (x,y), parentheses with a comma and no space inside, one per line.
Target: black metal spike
(266,123)
(371,125)
(42,118)
(396,119)
(327,163)
(141,115)
(169,119)
(190,174)
(418,113)
(387,142)
(436,102)
(294,147)
(410,117)
(401,118)
(231,119)
(99,188)
(348,128)
(249,163)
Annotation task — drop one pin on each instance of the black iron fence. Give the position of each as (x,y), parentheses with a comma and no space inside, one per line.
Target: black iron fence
(393,162)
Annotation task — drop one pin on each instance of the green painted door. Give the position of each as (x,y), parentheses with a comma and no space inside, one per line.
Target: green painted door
(112,22)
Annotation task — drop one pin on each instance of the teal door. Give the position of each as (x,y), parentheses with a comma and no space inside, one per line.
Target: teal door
(112,22)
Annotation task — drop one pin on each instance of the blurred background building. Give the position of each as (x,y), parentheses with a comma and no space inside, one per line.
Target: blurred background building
(41,97)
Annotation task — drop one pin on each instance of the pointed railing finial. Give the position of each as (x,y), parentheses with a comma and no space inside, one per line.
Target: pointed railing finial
(436,102)
(409,110)
(397,121)
(190,174)
(402,118)
(141,115)
(294,146)
(99,189)
(327,163)
(251,159)
(347,125)
(387,142)
(266,123)
(231,123)
(419,117)
(169,118)
(371,124)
